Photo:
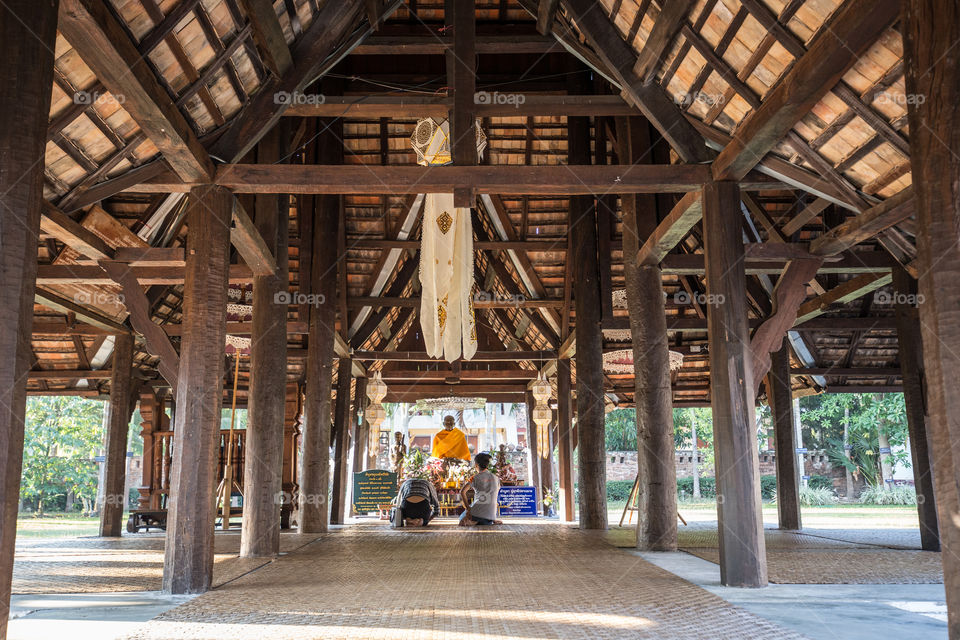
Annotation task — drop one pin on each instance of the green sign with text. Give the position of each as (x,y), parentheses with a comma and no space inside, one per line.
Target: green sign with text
(373,488)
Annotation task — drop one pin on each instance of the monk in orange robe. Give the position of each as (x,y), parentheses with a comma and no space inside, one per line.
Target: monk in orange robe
(450,443)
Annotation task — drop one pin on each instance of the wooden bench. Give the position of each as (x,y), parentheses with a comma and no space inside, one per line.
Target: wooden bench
(146,518)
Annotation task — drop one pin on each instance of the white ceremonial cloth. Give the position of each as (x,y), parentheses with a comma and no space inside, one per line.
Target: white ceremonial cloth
(446,279)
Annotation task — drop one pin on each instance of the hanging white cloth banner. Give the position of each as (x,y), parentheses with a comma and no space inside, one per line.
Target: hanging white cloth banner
(446,279)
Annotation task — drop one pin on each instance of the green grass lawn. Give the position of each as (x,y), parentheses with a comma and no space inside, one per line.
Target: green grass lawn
(57,525)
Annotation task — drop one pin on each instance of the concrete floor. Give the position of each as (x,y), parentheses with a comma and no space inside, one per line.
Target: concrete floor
(826,611)
(85,616)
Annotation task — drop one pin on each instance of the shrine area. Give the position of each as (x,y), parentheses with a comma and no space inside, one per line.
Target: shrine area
(479,319)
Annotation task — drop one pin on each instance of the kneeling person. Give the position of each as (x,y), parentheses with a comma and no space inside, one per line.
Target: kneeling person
(417,503)
(486,487)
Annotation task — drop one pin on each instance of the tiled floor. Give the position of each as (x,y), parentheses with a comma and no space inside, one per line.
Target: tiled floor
(516,581)
(526,579)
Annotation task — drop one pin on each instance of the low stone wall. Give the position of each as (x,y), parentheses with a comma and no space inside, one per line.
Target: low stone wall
(622,465)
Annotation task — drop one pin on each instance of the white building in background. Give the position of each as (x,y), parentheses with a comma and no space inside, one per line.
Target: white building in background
(486,429)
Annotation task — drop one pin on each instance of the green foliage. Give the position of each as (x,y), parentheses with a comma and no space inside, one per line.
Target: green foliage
(62,434)
(820,482)
(768,486)
(900,494)
(816,497)
(621,430)
(708,487)
(619,490)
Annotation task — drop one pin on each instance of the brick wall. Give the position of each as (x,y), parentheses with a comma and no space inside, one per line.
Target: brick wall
(622,465)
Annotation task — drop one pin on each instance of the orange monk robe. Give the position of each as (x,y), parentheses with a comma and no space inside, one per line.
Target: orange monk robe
(450,444)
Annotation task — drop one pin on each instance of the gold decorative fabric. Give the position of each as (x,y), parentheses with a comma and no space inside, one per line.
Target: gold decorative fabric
(446,278)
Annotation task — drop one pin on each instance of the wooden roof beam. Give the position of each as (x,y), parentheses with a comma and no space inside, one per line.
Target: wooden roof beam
(664,30)
(90,316)
(493,179)
(250,244)
(672,229)
(268,35)
(855,26)
(56,223)
(315,53)
(846,292)
(139,307)
(103,44)
(867,224)
(619,59)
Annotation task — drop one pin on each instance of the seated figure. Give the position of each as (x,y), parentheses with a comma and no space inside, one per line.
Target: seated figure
(450,442)
(417,504)
(482,509)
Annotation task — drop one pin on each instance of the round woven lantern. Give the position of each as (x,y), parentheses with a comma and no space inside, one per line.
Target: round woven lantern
(541,390)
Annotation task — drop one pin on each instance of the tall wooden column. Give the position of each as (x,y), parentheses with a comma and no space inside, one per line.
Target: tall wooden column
(119,411)
(318,387)
(565,441)
(27,40)
(263,458)
(533,446)
(582,225)
(341,445)
(743,561)
(931,29)
(191,506)
(780,395)
(914,396)
(361,433)
(657,496)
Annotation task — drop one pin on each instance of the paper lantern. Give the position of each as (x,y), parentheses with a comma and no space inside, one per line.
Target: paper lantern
(541,390)
(375,414)
(376,388)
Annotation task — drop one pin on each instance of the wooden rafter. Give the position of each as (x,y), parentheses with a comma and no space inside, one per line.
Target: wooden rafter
(856,26)
(103,44)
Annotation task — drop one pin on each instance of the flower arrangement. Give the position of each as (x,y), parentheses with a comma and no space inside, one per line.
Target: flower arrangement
(415,466)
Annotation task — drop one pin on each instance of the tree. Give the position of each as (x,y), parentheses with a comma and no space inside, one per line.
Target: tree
(621,430)
(61,436)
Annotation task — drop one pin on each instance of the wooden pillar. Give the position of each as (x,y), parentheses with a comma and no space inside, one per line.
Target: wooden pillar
(656,468)
(191,505)
(565,441)
(743,561)
(150,412)
(27,40)
(263,457)
(780,396)
(914,395)
(341,445)
(119,411)
(318,388)
(582,225)
(931,29)
(533,446)
(290,485)
(361,431)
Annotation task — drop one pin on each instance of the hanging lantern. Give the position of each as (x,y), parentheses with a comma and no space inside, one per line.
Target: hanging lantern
(375,414)
(376,388)
(676,363)
(541,390)
(542,415)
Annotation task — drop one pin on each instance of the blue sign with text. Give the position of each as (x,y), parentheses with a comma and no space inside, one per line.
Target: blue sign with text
(518,501)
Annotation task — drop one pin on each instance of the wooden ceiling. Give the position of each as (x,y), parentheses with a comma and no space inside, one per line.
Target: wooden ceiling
(204,75)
